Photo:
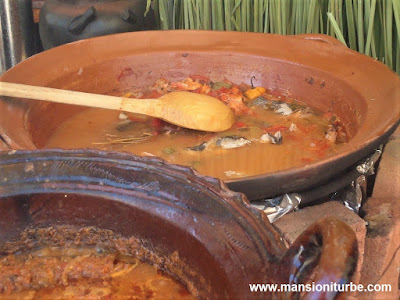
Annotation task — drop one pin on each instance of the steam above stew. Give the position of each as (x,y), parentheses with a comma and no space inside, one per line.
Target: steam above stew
(272,132)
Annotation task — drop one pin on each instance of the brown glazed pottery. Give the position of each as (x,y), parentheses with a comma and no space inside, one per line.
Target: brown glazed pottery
(190,226)
(316,69)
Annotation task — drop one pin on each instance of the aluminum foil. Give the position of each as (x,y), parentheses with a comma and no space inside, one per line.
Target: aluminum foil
(277,207)
(351,193)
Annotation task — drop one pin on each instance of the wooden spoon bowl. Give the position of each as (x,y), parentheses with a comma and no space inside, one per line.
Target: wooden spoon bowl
(185,109)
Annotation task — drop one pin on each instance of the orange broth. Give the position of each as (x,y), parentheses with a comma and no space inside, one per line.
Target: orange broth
(272,132)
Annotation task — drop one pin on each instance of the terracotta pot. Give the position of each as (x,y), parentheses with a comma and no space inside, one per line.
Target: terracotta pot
(314,68)
(191,226)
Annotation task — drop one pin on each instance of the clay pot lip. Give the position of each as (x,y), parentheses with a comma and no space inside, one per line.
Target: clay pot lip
(213,184)
(214,193)
(324,47)
(217,187)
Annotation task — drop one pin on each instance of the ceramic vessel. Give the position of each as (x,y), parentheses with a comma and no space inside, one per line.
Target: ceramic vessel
(191,226)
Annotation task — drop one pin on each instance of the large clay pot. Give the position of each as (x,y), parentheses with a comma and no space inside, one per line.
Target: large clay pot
(191,226)
(314,68)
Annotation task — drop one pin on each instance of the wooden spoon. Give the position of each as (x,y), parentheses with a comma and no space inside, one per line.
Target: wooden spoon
(185,109)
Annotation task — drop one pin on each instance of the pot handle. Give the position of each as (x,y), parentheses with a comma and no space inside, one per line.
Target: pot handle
(321,38)
(327,251)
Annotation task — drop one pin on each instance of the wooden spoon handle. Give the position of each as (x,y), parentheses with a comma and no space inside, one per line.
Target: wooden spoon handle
(141,106)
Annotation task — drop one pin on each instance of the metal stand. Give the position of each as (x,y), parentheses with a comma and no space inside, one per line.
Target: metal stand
(17,32)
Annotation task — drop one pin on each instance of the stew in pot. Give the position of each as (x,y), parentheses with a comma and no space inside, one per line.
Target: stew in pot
(273,131)
(83,273)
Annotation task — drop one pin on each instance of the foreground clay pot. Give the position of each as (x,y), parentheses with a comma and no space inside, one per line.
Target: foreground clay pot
(191,226)
(316,69)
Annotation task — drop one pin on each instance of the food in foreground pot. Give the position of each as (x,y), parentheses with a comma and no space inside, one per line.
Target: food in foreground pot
(83,272)
(268,125)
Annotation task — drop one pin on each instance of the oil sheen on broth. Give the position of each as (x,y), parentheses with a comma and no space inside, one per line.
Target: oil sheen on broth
(272,131)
